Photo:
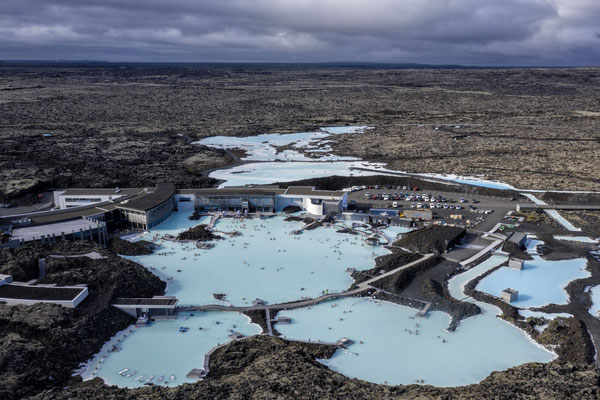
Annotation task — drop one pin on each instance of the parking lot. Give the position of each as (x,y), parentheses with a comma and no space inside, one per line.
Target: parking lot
(488,210)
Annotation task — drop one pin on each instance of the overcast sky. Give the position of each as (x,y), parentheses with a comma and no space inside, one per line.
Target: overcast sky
(468,32)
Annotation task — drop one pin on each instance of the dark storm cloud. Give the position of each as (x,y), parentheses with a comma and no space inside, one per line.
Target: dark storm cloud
(479,32)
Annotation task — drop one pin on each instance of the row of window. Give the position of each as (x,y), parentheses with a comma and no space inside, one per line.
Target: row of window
(82,200)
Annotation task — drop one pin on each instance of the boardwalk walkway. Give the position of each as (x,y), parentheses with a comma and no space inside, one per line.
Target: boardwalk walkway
(361,287)
(213,220)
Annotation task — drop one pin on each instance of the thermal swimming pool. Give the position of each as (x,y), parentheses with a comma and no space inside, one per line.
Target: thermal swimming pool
(393,352)
(270,263)
(539,283)
(267,261)
(162,350)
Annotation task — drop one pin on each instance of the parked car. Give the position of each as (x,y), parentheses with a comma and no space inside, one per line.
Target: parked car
(462,200)
(395,204)
(412,205)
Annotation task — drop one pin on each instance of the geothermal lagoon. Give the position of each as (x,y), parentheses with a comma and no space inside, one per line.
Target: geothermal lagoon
(540,282)
(265,260)
(396,348)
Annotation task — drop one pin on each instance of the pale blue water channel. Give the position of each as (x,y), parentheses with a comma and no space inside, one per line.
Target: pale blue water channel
(581,239)
(287,157)
(539,283)
(265,147)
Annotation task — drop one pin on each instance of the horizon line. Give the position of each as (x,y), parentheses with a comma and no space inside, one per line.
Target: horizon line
(308,63)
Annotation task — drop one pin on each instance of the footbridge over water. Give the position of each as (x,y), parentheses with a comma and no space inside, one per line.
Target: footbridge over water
(268,308)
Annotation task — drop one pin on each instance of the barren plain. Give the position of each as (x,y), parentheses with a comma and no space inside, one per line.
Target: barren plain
(129,125)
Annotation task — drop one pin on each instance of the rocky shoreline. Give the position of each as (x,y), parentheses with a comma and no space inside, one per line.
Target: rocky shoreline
(234,366)
(43,343)
(268,367)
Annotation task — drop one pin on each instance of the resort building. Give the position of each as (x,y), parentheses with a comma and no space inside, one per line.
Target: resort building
(157,306)
(244,198)
(269,199)
(90,214)
(150,209)
(13,293)
(70,198)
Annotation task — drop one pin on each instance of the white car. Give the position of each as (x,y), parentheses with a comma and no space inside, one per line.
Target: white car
(419,205)
(432,205)
(395,204)
(412,205)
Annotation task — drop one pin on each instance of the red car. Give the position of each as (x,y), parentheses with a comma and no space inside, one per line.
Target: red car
(416,189)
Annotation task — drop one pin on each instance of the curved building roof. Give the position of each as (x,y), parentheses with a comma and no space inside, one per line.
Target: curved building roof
(151,199)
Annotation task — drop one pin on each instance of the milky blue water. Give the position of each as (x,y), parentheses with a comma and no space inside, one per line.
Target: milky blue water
(271,172)
(297,165)
(553,213)
(389,352)
(270,263)
(265,147)
(267,261)
(595,295)
(582,239)
(393,353)
(539,283)
(160,349)
(529,313)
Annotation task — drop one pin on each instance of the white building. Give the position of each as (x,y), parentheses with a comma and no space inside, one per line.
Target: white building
(70,198)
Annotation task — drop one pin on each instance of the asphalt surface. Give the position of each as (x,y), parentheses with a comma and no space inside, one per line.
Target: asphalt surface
(499,205)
